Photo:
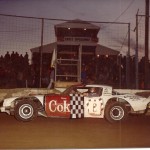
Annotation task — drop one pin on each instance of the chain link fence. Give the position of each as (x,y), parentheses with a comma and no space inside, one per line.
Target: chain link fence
(18,35)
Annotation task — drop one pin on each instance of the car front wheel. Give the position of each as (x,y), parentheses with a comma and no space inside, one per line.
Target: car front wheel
(25,110)
(116,112)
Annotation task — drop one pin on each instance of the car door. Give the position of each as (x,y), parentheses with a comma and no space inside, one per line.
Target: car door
(57,105)
(93,105)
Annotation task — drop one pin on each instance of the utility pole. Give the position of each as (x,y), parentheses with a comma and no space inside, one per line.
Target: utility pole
(41,52)
(136,54)
(146,77)
(128,61)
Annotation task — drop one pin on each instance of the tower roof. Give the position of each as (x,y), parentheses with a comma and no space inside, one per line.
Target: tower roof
(77,23)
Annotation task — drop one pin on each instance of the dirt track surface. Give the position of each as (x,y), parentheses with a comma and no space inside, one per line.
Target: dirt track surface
(46,133)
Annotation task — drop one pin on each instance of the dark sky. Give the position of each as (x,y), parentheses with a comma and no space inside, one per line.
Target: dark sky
(96,10)
(89,10)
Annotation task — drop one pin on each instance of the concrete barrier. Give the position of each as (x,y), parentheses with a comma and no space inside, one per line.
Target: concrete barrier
(6,93)
(60,84)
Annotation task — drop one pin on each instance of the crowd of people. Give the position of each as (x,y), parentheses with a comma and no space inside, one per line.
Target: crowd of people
(16,72)
(112,70)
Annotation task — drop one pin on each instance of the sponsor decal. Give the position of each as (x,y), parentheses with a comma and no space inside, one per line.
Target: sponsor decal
(58,106)
(54,106)
(133,98)
(107,91)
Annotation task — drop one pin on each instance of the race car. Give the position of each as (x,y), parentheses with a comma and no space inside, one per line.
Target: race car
(77,101)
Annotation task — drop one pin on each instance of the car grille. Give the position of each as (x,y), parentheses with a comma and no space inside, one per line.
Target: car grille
(1,103)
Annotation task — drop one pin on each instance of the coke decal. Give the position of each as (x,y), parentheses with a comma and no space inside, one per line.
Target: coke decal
(58,106)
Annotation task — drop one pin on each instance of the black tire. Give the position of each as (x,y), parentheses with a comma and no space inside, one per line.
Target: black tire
(115,112)
(26,110)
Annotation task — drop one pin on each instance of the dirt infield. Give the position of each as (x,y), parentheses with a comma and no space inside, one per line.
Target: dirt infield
(46,133)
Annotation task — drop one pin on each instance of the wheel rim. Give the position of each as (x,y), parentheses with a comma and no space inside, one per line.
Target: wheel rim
(117,113)
(26,111)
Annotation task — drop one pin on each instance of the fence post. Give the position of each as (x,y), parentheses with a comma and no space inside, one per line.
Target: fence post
(136,55)
(41,51)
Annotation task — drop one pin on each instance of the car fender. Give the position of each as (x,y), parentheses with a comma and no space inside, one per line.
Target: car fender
(138,103)
(40,98)
(9,101)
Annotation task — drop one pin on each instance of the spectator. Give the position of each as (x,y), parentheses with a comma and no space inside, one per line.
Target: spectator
(20,79)
(7,57)
(26,59)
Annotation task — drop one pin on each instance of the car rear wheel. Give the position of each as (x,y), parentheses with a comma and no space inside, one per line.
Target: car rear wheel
(116,112)
(25,110)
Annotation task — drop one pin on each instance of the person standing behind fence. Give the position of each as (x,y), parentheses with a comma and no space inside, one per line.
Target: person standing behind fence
(52,77)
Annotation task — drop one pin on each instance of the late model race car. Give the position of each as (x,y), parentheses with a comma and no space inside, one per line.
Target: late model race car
(77,101)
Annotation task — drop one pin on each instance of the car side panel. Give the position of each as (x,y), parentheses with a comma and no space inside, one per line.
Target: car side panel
(93,107)
(57,106)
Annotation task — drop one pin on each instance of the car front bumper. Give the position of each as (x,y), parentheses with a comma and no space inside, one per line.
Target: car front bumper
(7,110)
(2,109)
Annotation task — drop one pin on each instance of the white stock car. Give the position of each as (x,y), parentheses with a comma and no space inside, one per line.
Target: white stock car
(76,102)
